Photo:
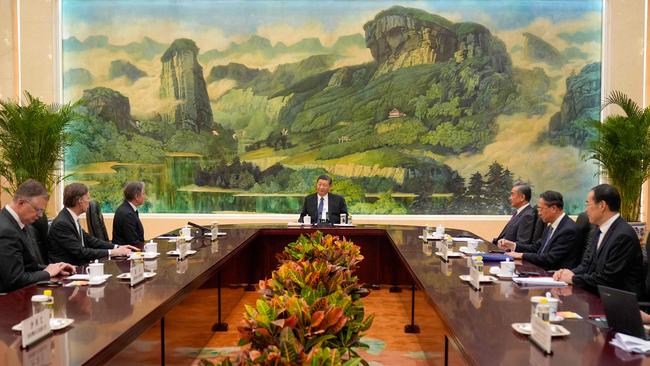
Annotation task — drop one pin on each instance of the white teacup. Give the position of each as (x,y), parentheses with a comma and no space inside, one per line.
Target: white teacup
(95,271)
(553,305)
(507,269)
(440,230)
(472,244)
(151,247)
(186,231)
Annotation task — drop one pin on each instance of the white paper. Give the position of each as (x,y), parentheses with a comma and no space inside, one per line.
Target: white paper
(84,277)
(629,343)
(462,239)
(474,278)
(539,281)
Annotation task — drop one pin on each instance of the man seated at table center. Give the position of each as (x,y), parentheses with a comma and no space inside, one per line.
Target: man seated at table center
(67,241)
(522,223)
(557,248)
(18,267)
(127,227)
(614,257)
(324,206)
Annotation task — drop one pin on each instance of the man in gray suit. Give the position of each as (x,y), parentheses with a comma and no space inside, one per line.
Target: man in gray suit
(520,227)
(18,267)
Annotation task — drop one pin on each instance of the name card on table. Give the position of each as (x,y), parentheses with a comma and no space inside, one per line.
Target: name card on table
(474,278)
(445,252)
(183,248)
(214,229)
(540,334)
(137,272)
(36,327)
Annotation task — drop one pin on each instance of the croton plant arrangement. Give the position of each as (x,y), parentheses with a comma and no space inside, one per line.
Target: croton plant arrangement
(309,311)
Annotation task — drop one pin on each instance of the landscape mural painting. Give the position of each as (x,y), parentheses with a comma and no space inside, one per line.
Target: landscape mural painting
(424,107)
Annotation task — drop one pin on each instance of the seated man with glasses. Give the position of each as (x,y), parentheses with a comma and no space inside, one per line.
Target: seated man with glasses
(18,267)
(68,241)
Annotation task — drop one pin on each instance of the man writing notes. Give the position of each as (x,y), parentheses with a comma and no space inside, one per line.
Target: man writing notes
(614,255)
(557,248)
(18,267)
(68,241)
(323,206)
(127,227)
(520,227)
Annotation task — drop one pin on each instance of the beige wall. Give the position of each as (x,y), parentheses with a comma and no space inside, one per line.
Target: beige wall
(32,62)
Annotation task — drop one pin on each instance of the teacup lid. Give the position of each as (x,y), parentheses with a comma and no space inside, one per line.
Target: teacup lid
(40,298)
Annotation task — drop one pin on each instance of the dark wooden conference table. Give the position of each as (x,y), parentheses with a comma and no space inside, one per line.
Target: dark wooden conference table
(111,317)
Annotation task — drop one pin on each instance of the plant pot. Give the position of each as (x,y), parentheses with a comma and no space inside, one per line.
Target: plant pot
(639,228)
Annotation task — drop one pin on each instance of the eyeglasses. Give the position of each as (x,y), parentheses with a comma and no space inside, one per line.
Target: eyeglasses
(39,211)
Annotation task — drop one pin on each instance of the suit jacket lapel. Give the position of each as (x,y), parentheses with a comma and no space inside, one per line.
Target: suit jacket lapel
(72,222)
(14,223)
(608,234)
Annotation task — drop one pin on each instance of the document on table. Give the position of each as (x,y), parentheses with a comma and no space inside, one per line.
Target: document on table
(539,281)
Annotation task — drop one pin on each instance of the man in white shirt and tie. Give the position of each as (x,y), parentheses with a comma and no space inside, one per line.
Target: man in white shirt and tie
(324,206)
(68,242)
(614,257)
(558,247)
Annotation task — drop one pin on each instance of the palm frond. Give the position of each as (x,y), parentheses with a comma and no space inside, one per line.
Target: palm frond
(622,147)
(32,137)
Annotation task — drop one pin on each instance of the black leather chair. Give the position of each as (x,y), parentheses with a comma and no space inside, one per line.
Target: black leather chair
(538,227)
(586,232)
(37,233)
(35,245)
(95,221)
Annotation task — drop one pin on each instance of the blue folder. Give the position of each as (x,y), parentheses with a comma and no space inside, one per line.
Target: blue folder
(493,257)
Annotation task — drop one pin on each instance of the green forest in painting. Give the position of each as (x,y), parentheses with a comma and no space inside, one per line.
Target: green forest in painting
(412,114)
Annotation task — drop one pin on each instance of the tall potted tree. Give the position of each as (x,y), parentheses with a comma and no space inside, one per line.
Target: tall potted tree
(622,147)
(32,138)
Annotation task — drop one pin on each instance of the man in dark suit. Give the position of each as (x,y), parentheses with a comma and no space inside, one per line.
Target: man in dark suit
(614,257)
(18,267)
(522,223)
(323,206)
(127,227)
(557,248)
(67,241)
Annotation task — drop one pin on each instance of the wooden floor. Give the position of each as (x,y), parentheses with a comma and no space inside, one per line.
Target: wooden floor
(189,337)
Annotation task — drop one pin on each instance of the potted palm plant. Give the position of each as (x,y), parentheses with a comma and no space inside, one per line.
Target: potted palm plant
(32,138)
(622,147)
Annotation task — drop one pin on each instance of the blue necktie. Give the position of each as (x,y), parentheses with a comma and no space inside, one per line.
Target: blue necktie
(320,207)
(549,234)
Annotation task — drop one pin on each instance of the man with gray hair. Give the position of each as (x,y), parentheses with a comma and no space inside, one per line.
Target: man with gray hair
(68,241)
(520,227)
(557,248)
(18,267)
(127,227)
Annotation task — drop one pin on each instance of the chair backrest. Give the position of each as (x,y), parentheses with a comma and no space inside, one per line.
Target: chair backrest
(646,264)
(95,219)
(586,232)
(538,227)
(36,244)
(37,233)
